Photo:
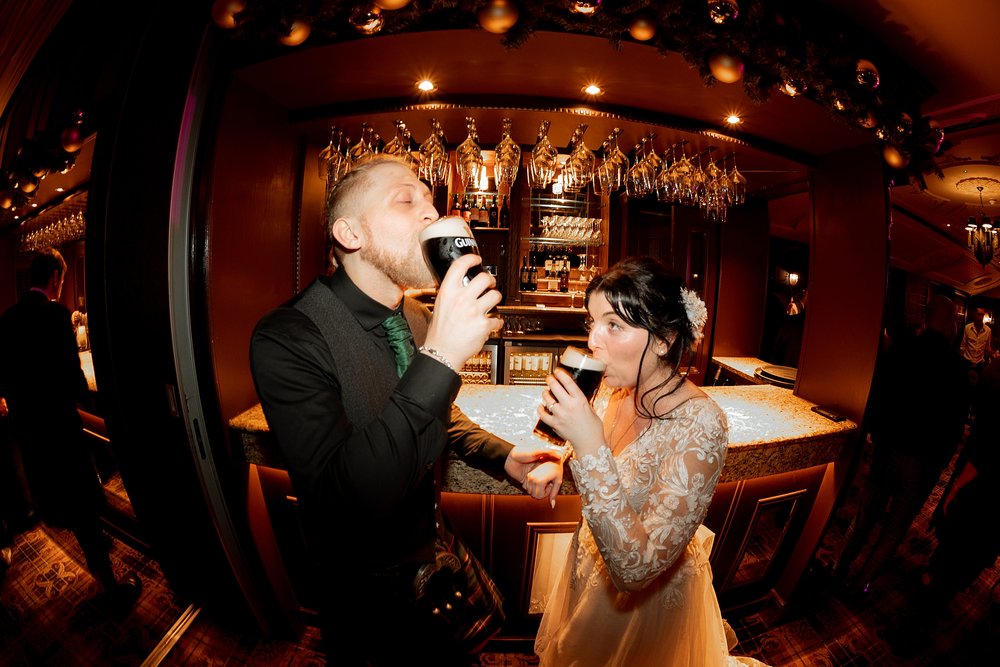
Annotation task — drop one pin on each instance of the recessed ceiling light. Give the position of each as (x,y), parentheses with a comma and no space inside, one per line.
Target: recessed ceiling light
(34,206)
(59,189)
(593,89)
(426,85)
(733,119)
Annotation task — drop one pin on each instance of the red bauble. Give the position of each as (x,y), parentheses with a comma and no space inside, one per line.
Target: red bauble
(71,139)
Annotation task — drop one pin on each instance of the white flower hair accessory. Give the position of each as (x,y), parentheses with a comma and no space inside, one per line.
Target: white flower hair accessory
(697,313)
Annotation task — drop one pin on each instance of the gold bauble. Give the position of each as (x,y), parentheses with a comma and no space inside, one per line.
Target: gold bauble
(726,68)
(498,16)
(390,5)
(867,119)
(894,157)
(224,12)
(298,33)
(28,183)
(642,28)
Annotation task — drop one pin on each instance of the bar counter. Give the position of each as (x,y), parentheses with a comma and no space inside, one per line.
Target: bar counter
(771,431)
(776,495)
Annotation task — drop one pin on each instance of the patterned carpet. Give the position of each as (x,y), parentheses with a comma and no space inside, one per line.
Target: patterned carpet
(51,613)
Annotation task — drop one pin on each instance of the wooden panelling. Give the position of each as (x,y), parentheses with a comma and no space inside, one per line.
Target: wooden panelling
(251,234)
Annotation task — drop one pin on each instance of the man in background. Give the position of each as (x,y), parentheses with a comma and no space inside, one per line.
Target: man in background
(976,346)
(42,382)
(916,419)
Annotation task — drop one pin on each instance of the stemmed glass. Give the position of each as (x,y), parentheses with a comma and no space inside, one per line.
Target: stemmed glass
(434,157)
(362,151)
(579,168)
(334,164)
(399,146)
(507,160)
(469,157)
(609,175)
(739,184)
(543,160)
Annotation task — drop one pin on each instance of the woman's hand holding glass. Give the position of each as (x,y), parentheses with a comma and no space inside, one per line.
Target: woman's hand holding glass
(567,410)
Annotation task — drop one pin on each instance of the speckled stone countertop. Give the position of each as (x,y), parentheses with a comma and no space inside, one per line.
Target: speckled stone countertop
(770,431)
(745,367)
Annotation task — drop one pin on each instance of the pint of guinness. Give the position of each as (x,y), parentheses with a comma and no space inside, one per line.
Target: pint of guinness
(587,372)
(445,240)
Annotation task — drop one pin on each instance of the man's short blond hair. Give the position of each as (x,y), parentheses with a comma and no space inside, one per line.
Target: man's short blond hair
(347,196)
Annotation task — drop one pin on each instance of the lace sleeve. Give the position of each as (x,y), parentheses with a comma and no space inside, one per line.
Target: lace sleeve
(644,509)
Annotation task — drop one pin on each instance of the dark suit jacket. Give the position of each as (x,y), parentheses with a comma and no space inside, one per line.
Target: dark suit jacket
(41,378)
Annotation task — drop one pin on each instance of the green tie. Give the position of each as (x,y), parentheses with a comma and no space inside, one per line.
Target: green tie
(400,340)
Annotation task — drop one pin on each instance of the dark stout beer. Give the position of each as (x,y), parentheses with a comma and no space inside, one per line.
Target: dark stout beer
(445,240)
(587,372)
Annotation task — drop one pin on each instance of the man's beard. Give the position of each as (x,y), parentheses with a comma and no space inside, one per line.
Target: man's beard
(406,271)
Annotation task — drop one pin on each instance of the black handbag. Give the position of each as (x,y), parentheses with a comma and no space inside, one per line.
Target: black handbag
(456,597)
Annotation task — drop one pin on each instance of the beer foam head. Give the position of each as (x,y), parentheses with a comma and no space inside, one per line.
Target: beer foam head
(448,226)
(577,358)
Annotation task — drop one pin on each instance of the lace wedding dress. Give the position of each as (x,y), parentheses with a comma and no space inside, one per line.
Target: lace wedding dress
(636,589)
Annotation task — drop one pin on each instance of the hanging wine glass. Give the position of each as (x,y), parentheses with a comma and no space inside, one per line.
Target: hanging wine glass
(434,156)
(665,179)
(399,146)
(739,184)
(651,166)
(362,151)
(725,185)
(507,159)
(469,157)
(337,164)
(633,178)
(543,160)
(579,168)
(324,154)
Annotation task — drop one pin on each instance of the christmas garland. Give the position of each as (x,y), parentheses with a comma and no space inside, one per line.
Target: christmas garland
(799,48)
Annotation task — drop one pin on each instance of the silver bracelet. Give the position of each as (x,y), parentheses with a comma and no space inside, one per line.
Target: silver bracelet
(437,355)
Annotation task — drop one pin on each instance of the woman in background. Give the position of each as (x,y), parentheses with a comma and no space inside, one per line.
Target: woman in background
(637,586)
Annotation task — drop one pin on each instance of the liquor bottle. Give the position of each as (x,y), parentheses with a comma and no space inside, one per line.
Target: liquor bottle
(532,277)
(456,206)
(503,214)
(484,213)
(524,274)
(467,210)
(494,214)
(564,276)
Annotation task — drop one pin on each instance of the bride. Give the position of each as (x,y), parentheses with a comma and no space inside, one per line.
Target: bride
(636,589)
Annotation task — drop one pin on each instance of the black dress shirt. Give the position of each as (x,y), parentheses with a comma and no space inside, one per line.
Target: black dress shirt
(368,489)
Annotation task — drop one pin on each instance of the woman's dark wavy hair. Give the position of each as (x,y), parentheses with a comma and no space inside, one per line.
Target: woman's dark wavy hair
(647,295)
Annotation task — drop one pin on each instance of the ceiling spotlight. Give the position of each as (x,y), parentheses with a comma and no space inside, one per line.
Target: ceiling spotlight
(426,85)
(733,119)
(593,89)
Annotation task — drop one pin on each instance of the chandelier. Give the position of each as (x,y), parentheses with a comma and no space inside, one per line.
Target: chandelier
(982,234)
